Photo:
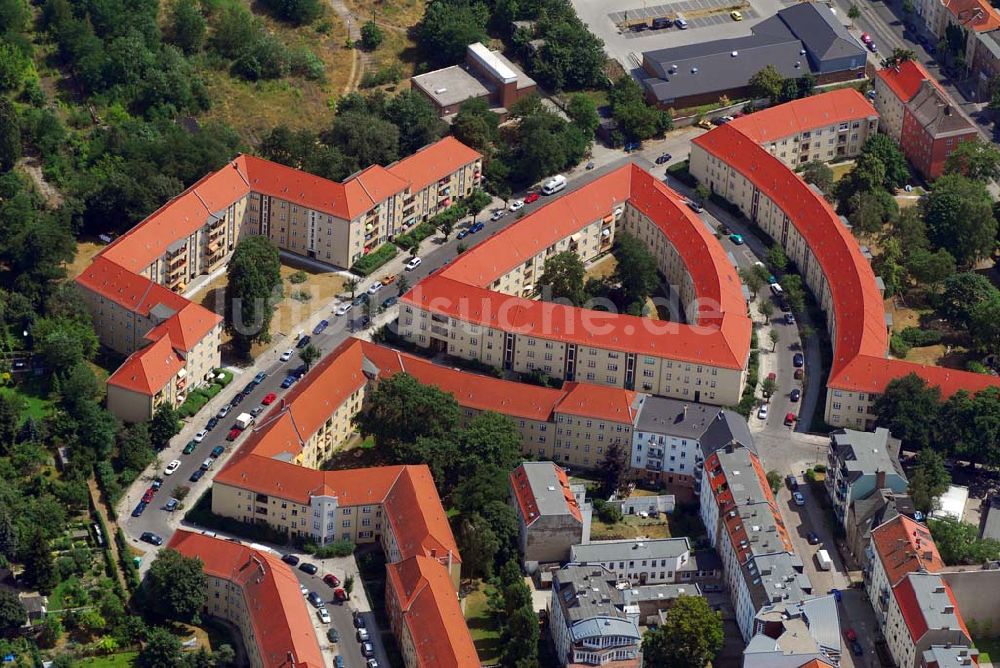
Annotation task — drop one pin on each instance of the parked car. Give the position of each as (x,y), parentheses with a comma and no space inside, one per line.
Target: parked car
(736,15)
(256,410)
(798,360)
(237,399)
(736,239)
(725,231)
(157,483)
(872,47)
(374,287)
(359,621)
(324,615)
(663,159)
(269,398)
(290,559)
(362,635)
(413,263)
(315,599)
(339,595)
(287,355)
(212,421)
(367,649)
(390,279)
(498,214)
(694,206)
(259,378)
(234,434)
(516,204)
(798,498)
(171,505)
(813,538)
(323,324)
(477,227)
(288,381)
(762,412)
(793,482)
(248,388)
(151,538)
(343,309)
(338,661)
(306,567)
(200,436)
(632,146)
(531,197)
(789,319)
(795,394)
(217,451)
(197,475)
(462,234)
(148,495)
(332,635)
(704,124)
(360,300)
(331,580)
(850,634)
(790,419)
(171,467)
(190,447)
(141,506)
(207,464)
(389,302)
(865,37)
(857,649)
(372,663)
(303,342)
(224,411)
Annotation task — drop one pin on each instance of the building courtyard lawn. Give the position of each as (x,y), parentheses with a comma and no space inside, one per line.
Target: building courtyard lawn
(32,392)
(120,660)
(631,526)
(482,626)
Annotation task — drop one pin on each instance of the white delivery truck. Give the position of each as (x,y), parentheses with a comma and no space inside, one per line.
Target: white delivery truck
(554,185)
(823,560)
(244,420)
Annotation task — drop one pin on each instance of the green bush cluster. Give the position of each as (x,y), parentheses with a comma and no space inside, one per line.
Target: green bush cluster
(748,399)
(898,346)
(385,74)
(917,337)
(128,566)
(608,513)
(413,238)
(378,257)
(338,548)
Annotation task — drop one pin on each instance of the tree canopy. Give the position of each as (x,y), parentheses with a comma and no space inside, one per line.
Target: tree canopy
(176,586)
(562,278)
(974,159)
(908,408)
(930,479)
(690,637)
(959,217)
(254,284)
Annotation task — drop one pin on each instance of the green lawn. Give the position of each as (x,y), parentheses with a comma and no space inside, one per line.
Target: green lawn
(988,647)
(36,403)
(120,660)
(58,596)
(482,626)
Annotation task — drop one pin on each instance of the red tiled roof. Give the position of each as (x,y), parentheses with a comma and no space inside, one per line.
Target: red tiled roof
(910,608)
(282,624)
(808,113)
(127,288)
(905,78)
(433,162)
(527,499)
(418,520)
(599,402)
(905,546)
(187,327)
(148,370)
(431,613)
(976,14)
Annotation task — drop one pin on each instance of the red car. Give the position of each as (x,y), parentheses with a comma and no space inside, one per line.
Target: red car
(331,580)
(790,419)
(148,496)
(850,635)
(234,434)
(531,197)
(866,38)
(772,376)
(269,399)
(339,595)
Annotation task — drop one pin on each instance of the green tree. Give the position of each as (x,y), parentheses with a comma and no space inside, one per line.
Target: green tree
(583,112)
(416,119)
(64,343)
(10,135)
(929,268)
(478,544)
(930,480)
(39,566)
(402,410)
(371,36)
(887,152)
(563,276)
(8,534)
(776,258)
(614,469)
(175,586)
(636,119)
(702,192)
(166,424)
(14,66)
(959,218)
(254,283)
(820,175)
(519,639)
(766,83)
(162,650)
(402,285)
(766,308)
(476,126)
(870,210)
(774,481)
(11,407)
(636,269)
(909,408)
(365,138)
(974,159)
(690,637)
(773,335)
(351,285)
(187,26)
(447,28)
(769,386)
(984,324)
(962,294)
(853,13)
(12,612)
(297,12)
(310,354)
(134,451)
(959,543)
(753,280)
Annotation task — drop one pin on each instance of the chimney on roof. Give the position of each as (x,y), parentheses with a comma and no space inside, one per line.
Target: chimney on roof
(685,411)
(947,110)
(880,479)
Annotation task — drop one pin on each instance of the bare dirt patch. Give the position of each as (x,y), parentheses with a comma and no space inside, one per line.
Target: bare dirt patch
(602,268)
(85,252)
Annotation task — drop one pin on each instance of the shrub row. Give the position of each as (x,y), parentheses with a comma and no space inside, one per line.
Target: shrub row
(125,556)
(413,238)
(378,257)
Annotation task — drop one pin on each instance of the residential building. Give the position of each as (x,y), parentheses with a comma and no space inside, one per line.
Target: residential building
(861,463)
(985,64)
(485,74)
(898,547)
(134,287)
(796,634)
(819,128)
(744,525)
(922,613)
(832,266)
(590,621)
(425,616)
(671,439)
(259,595)
(552,515)
(477,307)
(806,38)
(972,17)
(636,561)
(949,656)
(921,116)
(872,511)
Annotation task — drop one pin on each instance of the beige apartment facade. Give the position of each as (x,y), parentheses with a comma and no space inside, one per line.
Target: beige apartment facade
(838,141)
(226,600)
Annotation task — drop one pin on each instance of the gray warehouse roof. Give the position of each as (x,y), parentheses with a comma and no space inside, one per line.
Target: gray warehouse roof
(629,550)
(824,37)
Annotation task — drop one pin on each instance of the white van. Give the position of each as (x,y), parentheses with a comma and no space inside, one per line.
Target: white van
(823,560)
(776,289)
(554,185)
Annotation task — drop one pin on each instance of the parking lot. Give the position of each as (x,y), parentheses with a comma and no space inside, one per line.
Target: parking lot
(626,46)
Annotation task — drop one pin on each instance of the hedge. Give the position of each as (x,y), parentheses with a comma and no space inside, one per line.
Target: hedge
(125,556)
(227,377)
(378,257)
(194,403)
(898,346)
(415,236)
(917,337)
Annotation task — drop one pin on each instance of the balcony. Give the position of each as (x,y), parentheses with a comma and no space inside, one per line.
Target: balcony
(177,261)
(654,465)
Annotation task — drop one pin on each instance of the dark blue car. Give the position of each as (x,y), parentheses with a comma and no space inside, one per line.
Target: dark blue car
(478,227)
(463,233)
(289,381)
(320,326)
(138,509)
(303,342)
(196,476)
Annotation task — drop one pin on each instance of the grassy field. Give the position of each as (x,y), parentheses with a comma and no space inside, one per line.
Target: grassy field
(841,169)
(36,402)
(484,632)
(939,355)
(399,13)
(120,660)
(632,526)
